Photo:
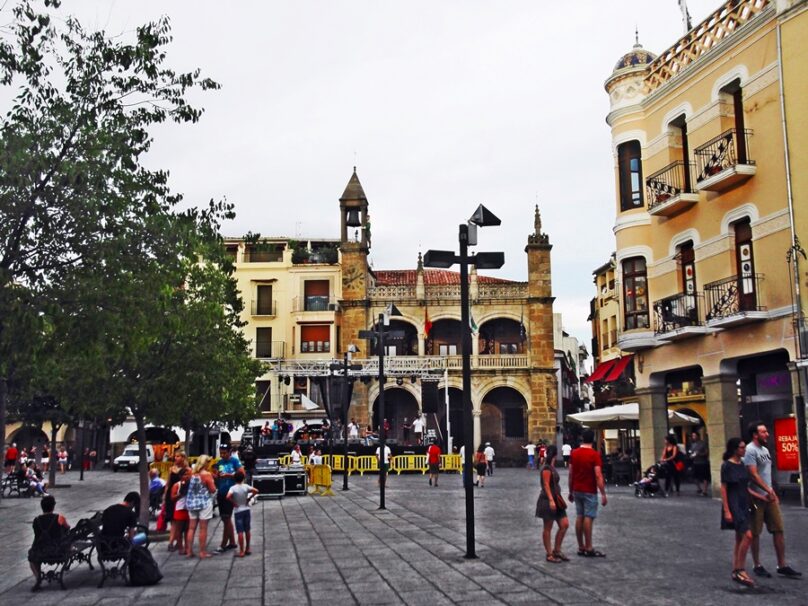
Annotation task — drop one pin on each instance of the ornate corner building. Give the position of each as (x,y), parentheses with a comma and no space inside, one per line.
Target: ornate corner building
(306,309)
(709,140)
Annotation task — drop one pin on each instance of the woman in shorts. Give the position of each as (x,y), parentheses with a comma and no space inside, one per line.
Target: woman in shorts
(179,514)
(552,508)
(199,504)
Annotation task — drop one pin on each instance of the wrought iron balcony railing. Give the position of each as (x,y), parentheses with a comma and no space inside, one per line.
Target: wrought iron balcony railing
(727,150)
(666,184)
(732,296)
(270,349)
(315,303)
(678,311)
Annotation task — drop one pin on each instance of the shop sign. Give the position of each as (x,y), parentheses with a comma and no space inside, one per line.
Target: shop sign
(785,433)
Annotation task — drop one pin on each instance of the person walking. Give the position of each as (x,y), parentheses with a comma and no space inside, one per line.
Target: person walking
(433,462)
(12,454)
(480,466)
(489,458)
(566,451)
(531,455)
(586,479)
(224,473)
(671,460)
(766,505)
(418,429)
(700,456)
(735,507)
(199,504)
(62,460)
(384,463)
(552,508)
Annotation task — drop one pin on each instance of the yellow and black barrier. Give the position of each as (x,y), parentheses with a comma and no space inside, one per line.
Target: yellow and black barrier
(408,462)
(362,464)
(320,480)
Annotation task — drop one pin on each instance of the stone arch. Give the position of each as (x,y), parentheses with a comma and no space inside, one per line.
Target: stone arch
(26,436)
(498,333)
(683,108)
(504,422)
(690,234)
(736,214)
(738,72)
(399,403)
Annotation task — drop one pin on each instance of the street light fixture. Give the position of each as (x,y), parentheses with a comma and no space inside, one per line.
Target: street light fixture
(467,236)
(345,402)
(379,334)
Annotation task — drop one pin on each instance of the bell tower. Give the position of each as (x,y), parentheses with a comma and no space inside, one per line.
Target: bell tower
(353,207)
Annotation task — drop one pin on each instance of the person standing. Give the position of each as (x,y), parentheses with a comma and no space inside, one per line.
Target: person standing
(551,507)
(11,458)
(353,430)
(418,429)
(480,466)
(199,504)
(566,451)
(700,456)
(671,459)
(224,472)
(239,495)
(62,460)
(735,507)
(531,455)
(384,464)
(489,458)
(766,506)
(405,430)
(433,463)
(586,479)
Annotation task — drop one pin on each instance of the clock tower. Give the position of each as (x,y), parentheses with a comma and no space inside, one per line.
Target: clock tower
(354,248)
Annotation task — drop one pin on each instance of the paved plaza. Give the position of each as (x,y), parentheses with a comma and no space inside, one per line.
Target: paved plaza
(342,550)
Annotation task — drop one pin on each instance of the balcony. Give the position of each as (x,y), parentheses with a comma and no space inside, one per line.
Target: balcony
(273,350)
(322,303)
(669,191)
(262,307)
(724,162)
(263,253)
(636,340)
(734,300)
(679,317)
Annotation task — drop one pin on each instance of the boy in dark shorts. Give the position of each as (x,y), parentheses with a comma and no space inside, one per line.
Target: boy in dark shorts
(224,472)
(239,495)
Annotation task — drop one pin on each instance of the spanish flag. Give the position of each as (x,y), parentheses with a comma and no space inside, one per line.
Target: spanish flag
(427,323)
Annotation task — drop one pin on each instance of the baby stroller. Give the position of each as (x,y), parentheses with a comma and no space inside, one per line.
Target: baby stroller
(649,486)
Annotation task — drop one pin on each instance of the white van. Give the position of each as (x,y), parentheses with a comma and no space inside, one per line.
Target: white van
(130,457)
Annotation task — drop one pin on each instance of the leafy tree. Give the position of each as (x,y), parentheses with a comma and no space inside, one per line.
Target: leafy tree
(71,149)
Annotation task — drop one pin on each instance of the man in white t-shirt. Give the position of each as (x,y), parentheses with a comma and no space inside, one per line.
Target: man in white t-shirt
(386,462)
(489,458)
(353,430)
(418,429)
(531,455)
(566,451)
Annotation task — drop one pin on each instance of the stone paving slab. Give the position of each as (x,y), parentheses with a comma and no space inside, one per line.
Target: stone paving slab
(343,550)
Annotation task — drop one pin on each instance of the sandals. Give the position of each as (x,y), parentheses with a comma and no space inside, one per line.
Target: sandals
(740,576)
(594,553)
(560,555)
(553,558)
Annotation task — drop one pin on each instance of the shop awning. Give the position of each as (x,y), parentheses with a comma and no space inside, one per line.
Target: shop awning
(618,369)
(600,371)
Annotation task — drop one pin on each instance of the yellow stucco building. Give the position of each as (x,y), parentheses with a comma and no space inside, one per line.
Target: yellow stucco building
(708,204)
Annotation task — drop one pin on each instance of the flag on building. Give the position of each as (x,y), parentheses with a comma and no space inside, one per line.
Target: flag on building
(427,323)
(522,329)
(473,325)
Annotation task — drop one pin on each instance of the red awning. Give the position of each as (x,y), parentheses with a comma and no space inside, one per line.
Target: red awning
(600,371)
(618,369)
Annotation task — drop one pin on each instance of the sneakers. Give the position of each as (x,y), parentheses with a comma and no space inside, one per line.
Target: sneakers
(788,571)
(762,572)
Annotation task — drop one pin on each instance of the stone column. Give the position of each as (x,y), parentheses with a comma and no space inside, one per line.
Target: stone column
(653,423)
(478,434)
(721,393)
(422,345)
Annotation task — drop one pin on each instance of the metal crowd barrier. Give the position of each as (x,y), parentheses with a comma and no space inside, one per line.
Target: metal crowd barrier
(320,480)
(408,462)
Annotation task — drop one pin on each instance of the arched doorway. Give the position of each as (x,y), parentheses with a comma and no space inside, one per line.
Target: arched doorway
(503,422)
(501,336)
(444,338)
(398,404)
(156,435)
(406,345)
(28,436)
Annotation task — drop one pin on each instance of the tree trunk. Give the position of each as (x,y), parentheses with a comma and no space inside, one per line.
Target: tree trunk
(3,392)
(53,454)
(143,469)
(187,440)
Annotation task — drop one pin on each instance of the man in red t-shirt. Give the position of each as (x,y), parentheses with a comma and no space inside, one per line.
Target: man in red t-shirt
(433,462)
(585,479)
(11,458)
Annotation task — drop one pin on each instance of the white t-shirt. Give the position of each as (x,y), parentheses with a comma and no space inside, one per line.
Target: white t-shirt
(316,460)
(418,425)
(295,457)
(531,450)
(353,430)
(566,450)
(240,494)
(489,453)
(386,453)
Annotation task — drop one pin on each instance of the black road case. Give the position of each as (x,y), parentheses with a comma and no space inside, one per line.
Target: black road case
(269,486)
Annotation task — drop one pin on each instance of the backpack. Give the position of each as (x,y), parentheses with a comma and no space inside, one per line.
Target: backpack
(143,570)
(198,495)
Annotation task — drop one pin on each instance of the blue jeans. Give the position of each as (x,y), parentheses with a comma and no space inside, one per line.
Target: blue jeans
(586,504)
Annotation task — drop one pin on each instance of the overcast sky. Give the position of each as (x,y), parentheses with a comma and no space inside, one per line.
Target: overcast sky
(441,105)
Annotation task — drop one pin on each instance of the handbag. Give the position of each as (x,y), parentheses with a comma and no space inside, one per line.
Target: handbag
(161,519)
(679,465)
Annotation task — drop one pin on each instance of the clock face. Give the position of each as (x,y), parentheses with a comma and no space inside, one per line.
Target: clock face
(353,278)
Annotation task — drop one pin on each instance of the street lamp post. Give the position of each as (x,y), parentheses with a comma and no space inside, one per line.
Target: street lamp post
(467,236)
(379,334)
(345,401)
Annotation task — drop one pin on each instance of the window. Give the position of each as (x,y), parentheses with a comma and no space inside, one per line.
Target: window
(263,342)
(446,349)
(508,348)
(315,294)
(514,422)
(635,293)
(263,399)
(315,338)
(680,124)
(263,300)
(629,163)
(746,265)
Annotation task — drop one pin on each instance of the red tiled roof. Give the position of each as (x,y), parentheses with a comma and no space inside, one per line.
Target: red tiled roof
(432,277)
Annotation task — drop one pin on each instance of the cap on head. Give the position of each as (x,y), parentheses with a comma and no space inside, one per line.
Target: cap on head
(224,447)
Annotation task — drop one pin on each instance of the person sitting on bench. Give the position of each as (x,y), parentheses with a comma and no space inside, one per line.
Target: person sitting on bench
(121,519)
(49,531)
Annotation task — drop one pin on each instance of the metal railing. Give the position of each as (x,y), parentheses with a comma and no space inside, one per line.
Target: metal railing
(262,256)
(315,303)
(270,349)
(678,311)
(728,149)
(261,307)
(733,295)
(669,182)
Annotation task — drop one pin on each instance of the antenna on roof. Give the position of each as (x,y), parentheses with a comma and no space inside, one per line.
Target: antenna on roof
(636,35)
(686,23)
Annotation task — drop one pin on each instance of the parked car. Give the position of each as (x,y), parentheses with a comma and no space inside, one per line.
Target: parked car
(130,458)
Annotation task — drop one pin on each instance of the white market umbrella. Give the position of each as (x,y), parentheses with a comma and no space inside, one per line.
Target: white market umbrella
(625,416)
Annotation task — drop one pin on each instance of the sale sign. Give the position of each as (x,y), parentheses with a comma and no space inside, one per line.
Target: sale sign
(785,434)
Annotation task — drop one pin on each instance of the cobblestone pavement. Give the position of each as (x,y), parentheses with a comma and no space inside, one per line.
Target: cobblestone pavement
(343,550)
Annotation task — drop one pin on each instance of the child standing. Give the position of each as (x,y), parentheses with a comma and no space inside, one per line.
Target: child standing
(239,494)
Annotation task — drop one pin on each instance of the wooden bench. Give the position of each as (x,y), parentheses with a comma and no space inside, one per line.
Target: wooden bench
(14,485)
